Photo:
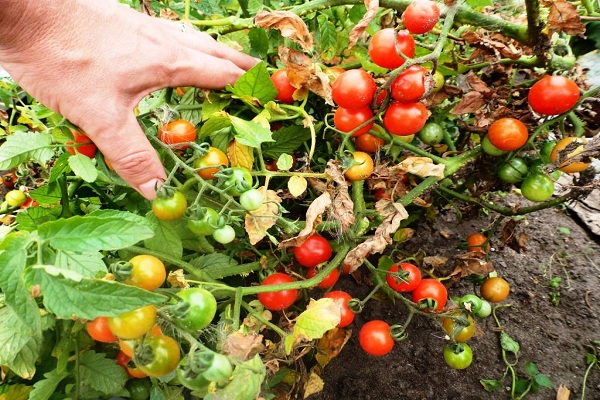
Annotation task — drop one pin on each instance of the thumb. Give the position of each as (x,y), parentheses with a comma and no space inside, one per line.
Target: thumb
(132,156)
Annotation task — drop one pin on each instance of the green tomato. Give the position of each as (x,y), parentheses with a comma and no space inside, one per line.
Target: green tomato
(206,222)
(252,199)
(169,207)
(15,198)
(513,171)
(139,389)
(238,180)
(439,79)
(459,356)
(201,308)
(190,379)
(546,150)
(224,235)
(470,302)
(432,133)
(219,369)
(490,149)
(485,310)
(537,187)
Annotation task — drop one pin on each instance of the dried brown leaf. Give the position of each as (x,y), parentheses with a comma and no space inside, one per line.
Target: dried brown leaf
(491,45)
(563,393)
(564,17)
(243,346)
(304,73)
(434,262)
(470,103)
(468,264)
(331,344)
(361,26)
(258,221)
(177,279)
(421,166)
(289,24)
(342,209)
(240,155)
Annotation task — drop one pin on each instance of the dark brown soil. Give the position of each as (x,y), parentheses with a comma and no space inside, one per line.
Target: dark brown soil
(555,338)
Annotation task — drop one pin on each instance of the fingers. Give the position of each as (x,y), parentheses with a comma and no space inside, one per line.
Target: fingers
(208,45)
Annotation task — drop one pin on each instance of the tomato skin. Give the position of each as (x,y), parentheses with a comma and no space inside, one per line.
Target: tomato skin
(210,163)
(9,179)
(224,234)
(252,199)
(368,143)
(169,208)
(346,314)
(281,299)
(409,86)
(206,224)
(314,251)
(460,360)
(165,356)
(84,144)
(513,171)
(553,95)
(127,346)
(413,279)
(432,133)
(99,330)
(29,202)
(495,289)
(133,324)
(460,333)
(347,120)
(567,166)
(381,193)
(375,338)
(476,241)
(508,134)
(147,272)
(383,45)
(431,289)
(421,16)
(537,187)
(354,89)
(285,90)
(177,131)
(405,119)
(362,169)
(327,282)
(202,308)
(15,198)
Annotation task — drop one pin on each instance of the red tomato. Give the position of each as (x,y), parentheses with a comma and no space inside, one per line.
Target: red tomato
(211,162)
(99,331)
(508,134)
(409,86)
(476,243)
(384,46)
(421,16)
(82,144)
(346,314)
(327,282)
(405,119)
(285,90)
(281,299)
(314,251)
(347,120)
(176,132)
(375,338)
(29,202)
(368,143)
(413,277)
(354,89)
(431,294)
(553,95)
(379,194)
(9,179)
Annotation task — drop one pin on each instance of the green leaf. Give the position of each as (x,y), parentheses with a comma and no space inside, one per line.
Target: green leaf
(218,128)
(250,133)
(76,266)
(24,362)
(521,385)
(101,373)
(245,382)
(90,298)
(285,162)
(165,239)
(92,233)
(125,215)
(285,141)
(30,219)
(255,84)
(192,115)
(259,41)
(531,369)
(490,385)
(564,231)
(385,263)
(214,104)
(543,381)
(14,335)
(479,3)
(328,38)
(45,388)
(24,146)
(47,194)
(508,343)
(83,167)
(189,240)
(60,167)
(13,261)
(319,317)
(214,262)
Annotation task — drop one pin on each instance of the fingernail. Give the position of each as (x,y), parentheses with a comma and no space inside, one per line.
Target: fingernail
(148,189)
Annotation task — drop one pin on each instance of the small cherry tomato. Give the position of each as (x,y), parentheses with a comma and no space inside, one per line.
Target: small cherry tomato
(495,289)
(205,222)
(354,89)
(133,324)
(478,242)
(411,280)
(431,134)
(99,330)
(459,331)
(15,198)
(252,199)
(375,338)
(127,364)
(485,310)
(431,295)
(9,179)
(458,357)
(405,119)
(566,165)
(168,207)
(29,202)
(210,163)
(147,272)
(362,167)
(224,234)
(177,134)
(471,303)
(537,187)
(164,357)
(385,44)
(346,314)
(201,308)
(281,299)
(347,120)
(553,95)
(508,134)
(490,149)
(285,90)
(127,346)
(81,144)
(513,171)
(409,86)
(314,251)
(421,16)
(238,180)
(368,143)
(327,282)
(139,389)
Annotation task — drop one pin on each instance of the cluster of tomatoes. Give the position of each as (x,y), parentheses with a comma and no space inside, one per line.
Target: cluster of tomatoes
(15,198)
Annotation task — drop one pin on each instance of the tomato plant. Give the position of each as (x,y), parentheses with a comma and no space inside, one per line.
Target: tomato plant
(431,295)
(281,299)
(224,234)
(495,289)
(198,308)
(285,90)
(99,330)
(159,356)
(147,272)
(205,221)
(421,16)
(411,277)
(139,389)
(484,311)
(471,303)
(354,89)
(508,134)
(211,162)
(375,338)
(219,369)
(490,149)
(566,165)
(133,324)
(126,362)
(313,251)
(537,187)
(368,143)
(385,45)
(458,357)
(362,167)
(346,314)
(237,180)
(329,281)
(169,206)
(553,95)
(9,179)
(177,133)
(347,120)
(405,119)
(409,86)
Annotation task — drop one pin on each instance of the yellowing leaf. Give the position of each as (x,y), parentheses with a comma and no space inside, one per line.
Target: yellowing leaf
(258,221)
(297,185)
(319,317)
(240,155)
(16,392)
(314,385)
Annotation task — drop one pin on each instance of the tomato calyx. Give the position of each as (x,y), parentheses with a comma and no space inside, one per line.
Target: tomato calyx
(121,269)
(427,304)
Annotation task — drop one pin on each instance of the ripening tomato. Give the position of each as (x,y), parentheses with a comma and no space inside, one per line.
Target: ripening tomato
(409,86)
(566,165)
(9,179)
(553,95)
(362,167)
(169,206)
(147,272)
(421,16)
(126,362)
(15,198)
(99,331)
(285,90)
(177,133)
(314,251)
(375,338)
(327,282)
(537,187)
(405,119)
(478,242)
(281,299)
(431,134)
(354,89)
(459,331)
(508,134)
(495,289)
(410,281)
(347,120)
(164,358)
(128,346)
(385,44)
(81,144)
(368,143)
(346,314)
(210,163)
(133,324)
(431,295)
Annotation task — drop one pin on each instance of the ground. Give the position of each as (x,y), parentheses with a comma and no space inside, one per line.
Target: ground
(554,337)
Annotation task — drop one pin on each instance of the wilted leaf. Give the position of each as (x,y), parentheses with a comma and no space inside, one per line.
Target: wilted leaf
(434,262)
(303,72)
(319,317)
(564,17)
(240,155)
(516,241)
(177,279)
(491,46)
(314,384)
(422,166)
(563,393)
(313,217)
(297,185)
(342,209)
(469,103)
(331,344)
(467,264)
(243,346)
(289,24)
(258,221)
(372,7)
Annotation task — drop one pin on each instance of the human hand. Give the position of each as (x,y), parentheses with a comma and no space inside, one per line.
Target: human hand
(92,62)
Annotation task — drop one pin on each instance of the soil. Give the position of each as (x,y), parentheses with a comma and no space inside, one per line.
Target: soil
(554,337)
